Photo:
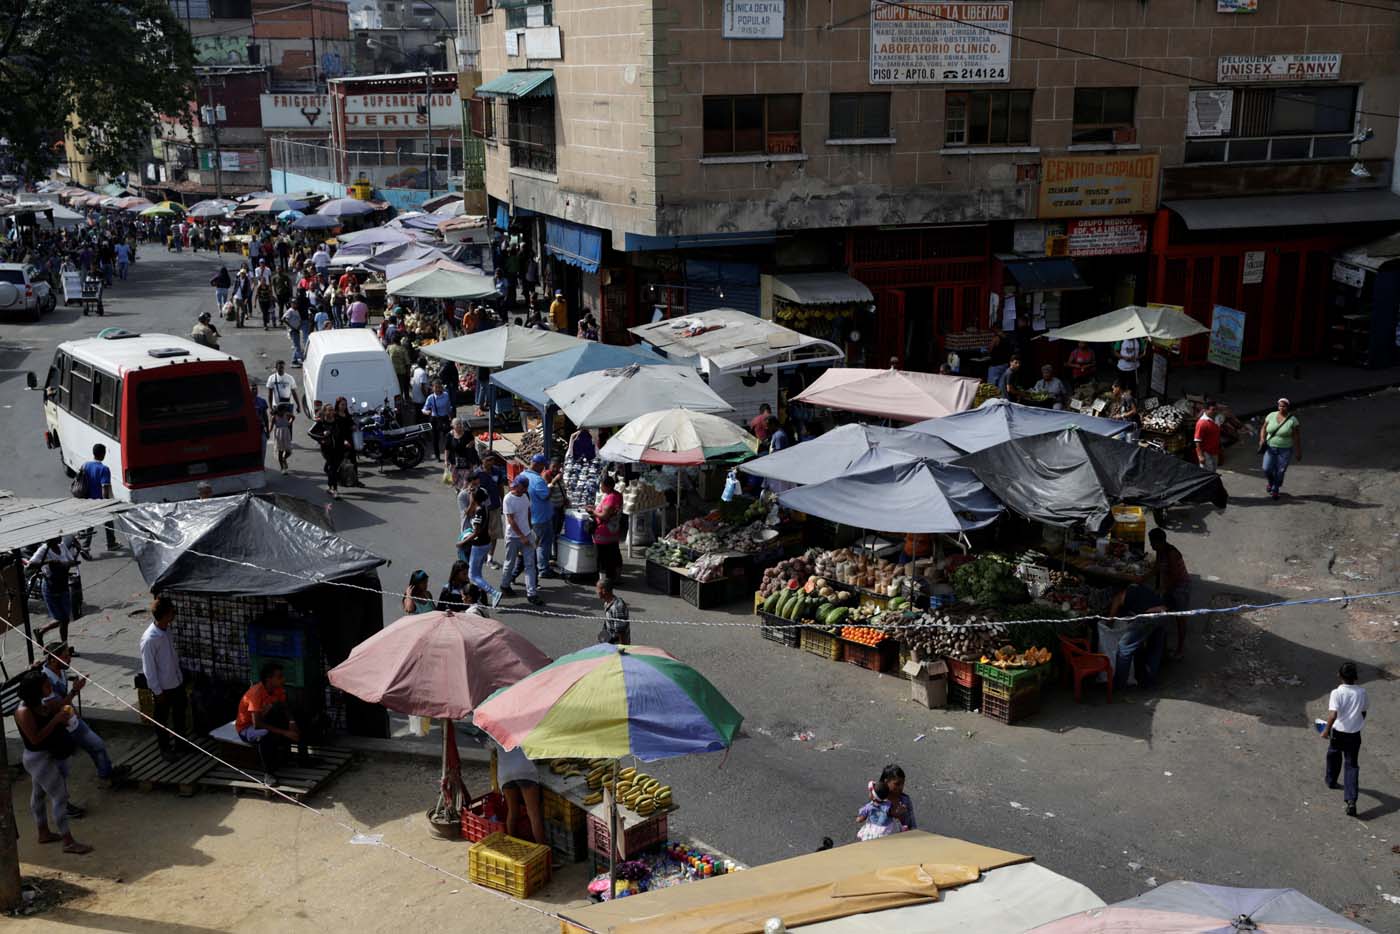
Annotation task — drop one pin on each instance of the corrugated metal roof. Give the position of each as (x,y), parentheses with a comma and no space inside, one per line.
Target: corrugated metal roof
(26,521)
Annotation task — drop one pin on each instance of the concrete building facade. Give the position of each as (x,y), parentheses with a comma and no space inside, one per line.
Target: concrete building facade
(947,156)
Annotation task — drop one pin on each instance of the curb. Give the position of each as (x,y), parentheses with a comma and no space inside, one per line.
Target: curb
(1354,393)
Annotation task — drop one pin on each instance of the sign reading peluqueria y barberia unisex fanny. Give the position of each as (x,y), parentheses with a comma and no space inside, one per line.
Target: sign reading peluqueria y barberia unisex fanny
(1311,66)
(940,43)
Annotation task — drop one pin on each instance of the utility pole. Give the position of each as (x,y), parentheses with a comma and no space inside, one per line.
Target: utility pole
(213,114)
(428,88)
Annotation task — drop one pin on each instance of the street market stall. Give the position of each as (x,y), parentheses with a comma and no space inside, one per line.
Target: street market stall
(1157,325)
(894,394)
(254,579)
(998,420)
(848,449)
(602,704)
(912,882)
(615,396)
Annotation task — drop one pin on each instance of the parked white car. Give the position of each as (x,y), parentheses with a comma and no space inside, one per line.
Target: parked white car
(21,290)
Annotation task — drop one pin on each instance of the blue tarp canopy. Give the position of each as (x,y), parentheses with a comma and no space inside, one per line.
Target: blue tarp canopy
(574,244)
(997,420)
(529,381)
(848,449)
(920,496)
(383,260)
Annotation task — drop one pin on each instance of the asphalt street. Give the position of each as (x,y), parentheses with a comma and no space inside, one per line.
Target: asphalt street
(1216,776)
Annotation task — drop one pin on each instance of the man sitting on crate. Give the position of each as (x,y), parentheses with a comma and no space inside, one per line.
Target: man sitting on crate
(265,721)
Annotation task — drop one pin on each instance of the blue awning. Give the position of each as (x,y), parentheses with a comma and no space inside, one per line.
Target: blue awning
(574,244)
(1047,275)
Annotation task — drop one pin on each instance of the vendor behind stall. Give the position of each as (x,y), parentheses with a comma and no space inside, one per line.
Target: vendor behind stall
(1143,640)
(1052,386)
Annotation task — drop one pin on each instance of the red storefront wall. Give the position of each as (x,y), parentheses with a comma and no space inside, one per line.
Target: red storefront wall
(933,281)
(1285,314)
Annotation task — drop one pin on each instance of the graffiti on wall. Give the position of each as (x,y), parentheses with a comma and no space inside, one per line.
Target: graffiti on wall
(221,50)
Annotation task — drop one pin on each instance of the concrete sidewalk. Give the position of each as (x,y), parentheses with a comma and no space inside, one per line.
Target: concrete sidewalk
(1256,389)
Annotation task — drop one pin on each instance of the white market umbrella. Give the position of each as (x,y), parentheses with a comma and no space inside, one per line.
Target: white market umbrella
(1131,322)
(902,395)
(604,398)
(213,207)
(504,345)
(677,436)
(441,279)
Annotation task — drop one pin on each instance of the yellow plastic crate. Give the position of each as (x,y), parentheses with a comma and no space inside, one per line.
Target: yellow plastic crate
(562,810)
(820,643)
(1129,523)
(508,865)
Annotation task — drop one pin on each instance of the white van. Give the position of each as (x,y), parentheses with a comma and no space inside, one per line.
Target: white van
(348,362)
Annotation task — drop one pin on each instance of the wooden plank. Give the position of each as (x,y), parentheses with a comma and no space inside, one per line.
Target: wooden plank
(293,781)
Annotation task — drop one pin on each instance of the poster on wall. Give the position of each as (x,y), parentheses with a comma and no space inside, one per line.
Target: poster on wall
(753,19)
(1089,186)
(1313,66)
(1226,337)
(1209,112)
(1237,6)
(940,43)
(1252,269)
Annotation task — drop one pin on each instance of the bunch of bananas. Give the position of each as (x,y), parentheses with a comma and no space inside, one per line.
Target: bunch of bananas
(568,767)
(641,792)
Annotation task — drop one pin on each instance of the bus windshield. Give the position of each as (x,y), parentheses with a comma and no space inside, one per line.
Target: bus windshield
(189,398)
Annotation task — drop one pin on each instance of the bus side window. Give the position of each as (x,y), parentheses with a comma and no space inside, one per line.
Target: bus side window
(64,397)
(80,390)
(104,403)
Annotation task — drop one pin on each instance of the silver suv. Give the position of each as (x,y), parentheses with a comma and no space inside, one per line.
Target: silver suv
(21,290)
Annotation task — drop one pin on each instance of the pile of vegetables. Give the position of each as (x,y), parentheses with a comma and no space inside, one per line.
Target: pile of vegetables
(936,638)
(1167,419)
(778,577)
(1007,656)
(705,535)
(865,635)
(532,443)
(859,569)
(665,553)
(989,581)
(816,602)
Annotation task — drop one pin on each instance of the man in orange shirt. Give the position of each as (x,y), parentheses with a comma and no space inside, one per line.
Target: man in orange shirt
(264,722)
(347,283)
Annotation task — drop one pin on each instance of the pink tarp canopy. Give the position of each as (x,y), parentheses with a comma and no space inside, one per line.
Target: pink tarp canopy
(895,394)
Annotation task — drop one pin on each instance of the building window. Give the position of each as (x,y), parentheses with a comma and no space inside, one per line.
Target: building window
(1282,125)
(753,124)
(532,133)
(483,118)
(522,15)
(987,118)
(860,116)
(1104,115)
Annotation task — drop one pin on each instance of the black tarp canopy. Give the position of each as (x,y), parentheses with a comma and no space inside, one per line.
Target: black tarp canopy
(240,546)
(1072,476)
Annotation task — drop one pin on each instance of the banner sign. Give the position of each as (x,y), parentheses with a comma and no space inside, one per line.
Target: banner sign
(940,43)
(753,19)
(1315,66)
(1089,186)
(1107,236)
(1226,337)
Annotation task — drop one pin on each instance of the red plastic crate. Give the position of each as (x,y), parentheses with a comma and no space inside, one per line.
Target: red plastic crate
(880,657)
(637,838)
(961,672)
(475,826)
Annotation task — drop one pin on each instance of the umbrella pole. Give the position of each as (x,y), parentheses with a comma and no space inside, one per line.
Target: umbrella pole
(612,833)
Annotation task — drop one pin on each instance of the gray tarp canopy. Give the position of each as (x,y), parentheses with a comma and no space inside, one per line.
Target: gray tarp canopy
(998,420)
(223,545)
(839,451)
(26,521)
(530,380)
(919,496)
(1072,476)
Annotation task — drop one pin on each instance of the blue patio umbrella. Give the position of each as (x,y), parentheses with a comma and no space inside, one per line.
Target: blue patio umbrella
(345,207)
(290,215)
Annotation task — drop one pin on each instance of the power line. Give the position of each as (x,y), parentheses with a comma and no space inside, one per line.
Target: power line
(1186,76)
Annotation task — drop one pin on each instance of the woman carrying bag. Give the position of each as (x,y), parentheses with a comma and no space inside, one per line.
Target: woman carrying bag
(1281,443)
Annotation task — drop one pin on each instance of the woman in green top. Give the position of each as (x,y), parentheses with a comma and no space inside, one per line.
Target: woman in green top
(1281,440)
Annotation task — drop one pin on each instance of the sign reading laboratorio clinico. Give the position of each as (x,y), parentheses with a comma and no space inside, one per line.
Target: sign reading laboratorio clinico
(388,111)
(753,19)
(1098,186)
(1311,66)
(940,43)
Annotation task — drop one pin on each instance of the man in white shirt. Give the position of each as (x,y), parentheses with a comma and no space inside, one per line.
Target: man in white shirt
(1346,714)
(282,389)
(418,386)
(520,542)
(321,259)
(160,665)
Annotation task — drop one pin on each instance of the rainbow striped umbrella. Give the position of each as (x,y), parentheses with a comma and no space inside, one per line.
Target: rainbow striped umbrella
(609,701)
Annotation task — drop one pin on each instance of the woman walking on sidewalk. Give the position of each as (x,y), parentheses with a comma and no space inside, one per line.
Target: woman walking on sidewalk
(1281,443)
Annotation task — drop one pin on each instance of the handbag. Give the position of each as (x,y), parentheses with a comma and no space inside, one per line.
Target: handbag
(79,486)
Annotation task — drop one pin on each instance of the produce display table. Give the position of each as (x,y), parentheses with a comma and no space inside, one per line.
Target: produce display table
(1091,568)
(574,789)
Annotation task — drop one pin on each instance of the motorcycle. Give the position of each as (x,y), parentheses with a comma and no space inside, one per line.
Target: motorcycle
(378,435)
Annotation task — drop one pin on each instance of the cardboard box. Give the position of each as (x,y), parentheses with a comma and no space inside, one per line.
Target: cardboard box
(928,682)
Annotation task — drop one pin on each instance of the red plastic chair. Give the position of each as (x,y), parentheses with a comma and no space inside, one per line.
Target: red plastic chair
(1083,663)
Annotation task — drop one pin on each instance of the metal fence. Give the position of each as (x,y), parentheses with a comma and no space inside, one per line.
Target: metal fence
(384,168)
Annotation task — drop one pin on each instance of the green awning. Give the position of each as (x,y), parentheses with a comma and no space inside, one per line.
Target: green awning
(519,84)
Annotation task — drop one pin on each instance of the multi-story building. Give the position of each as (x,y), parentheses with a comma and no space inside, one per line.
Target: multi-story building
(402,35)
(949,166)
